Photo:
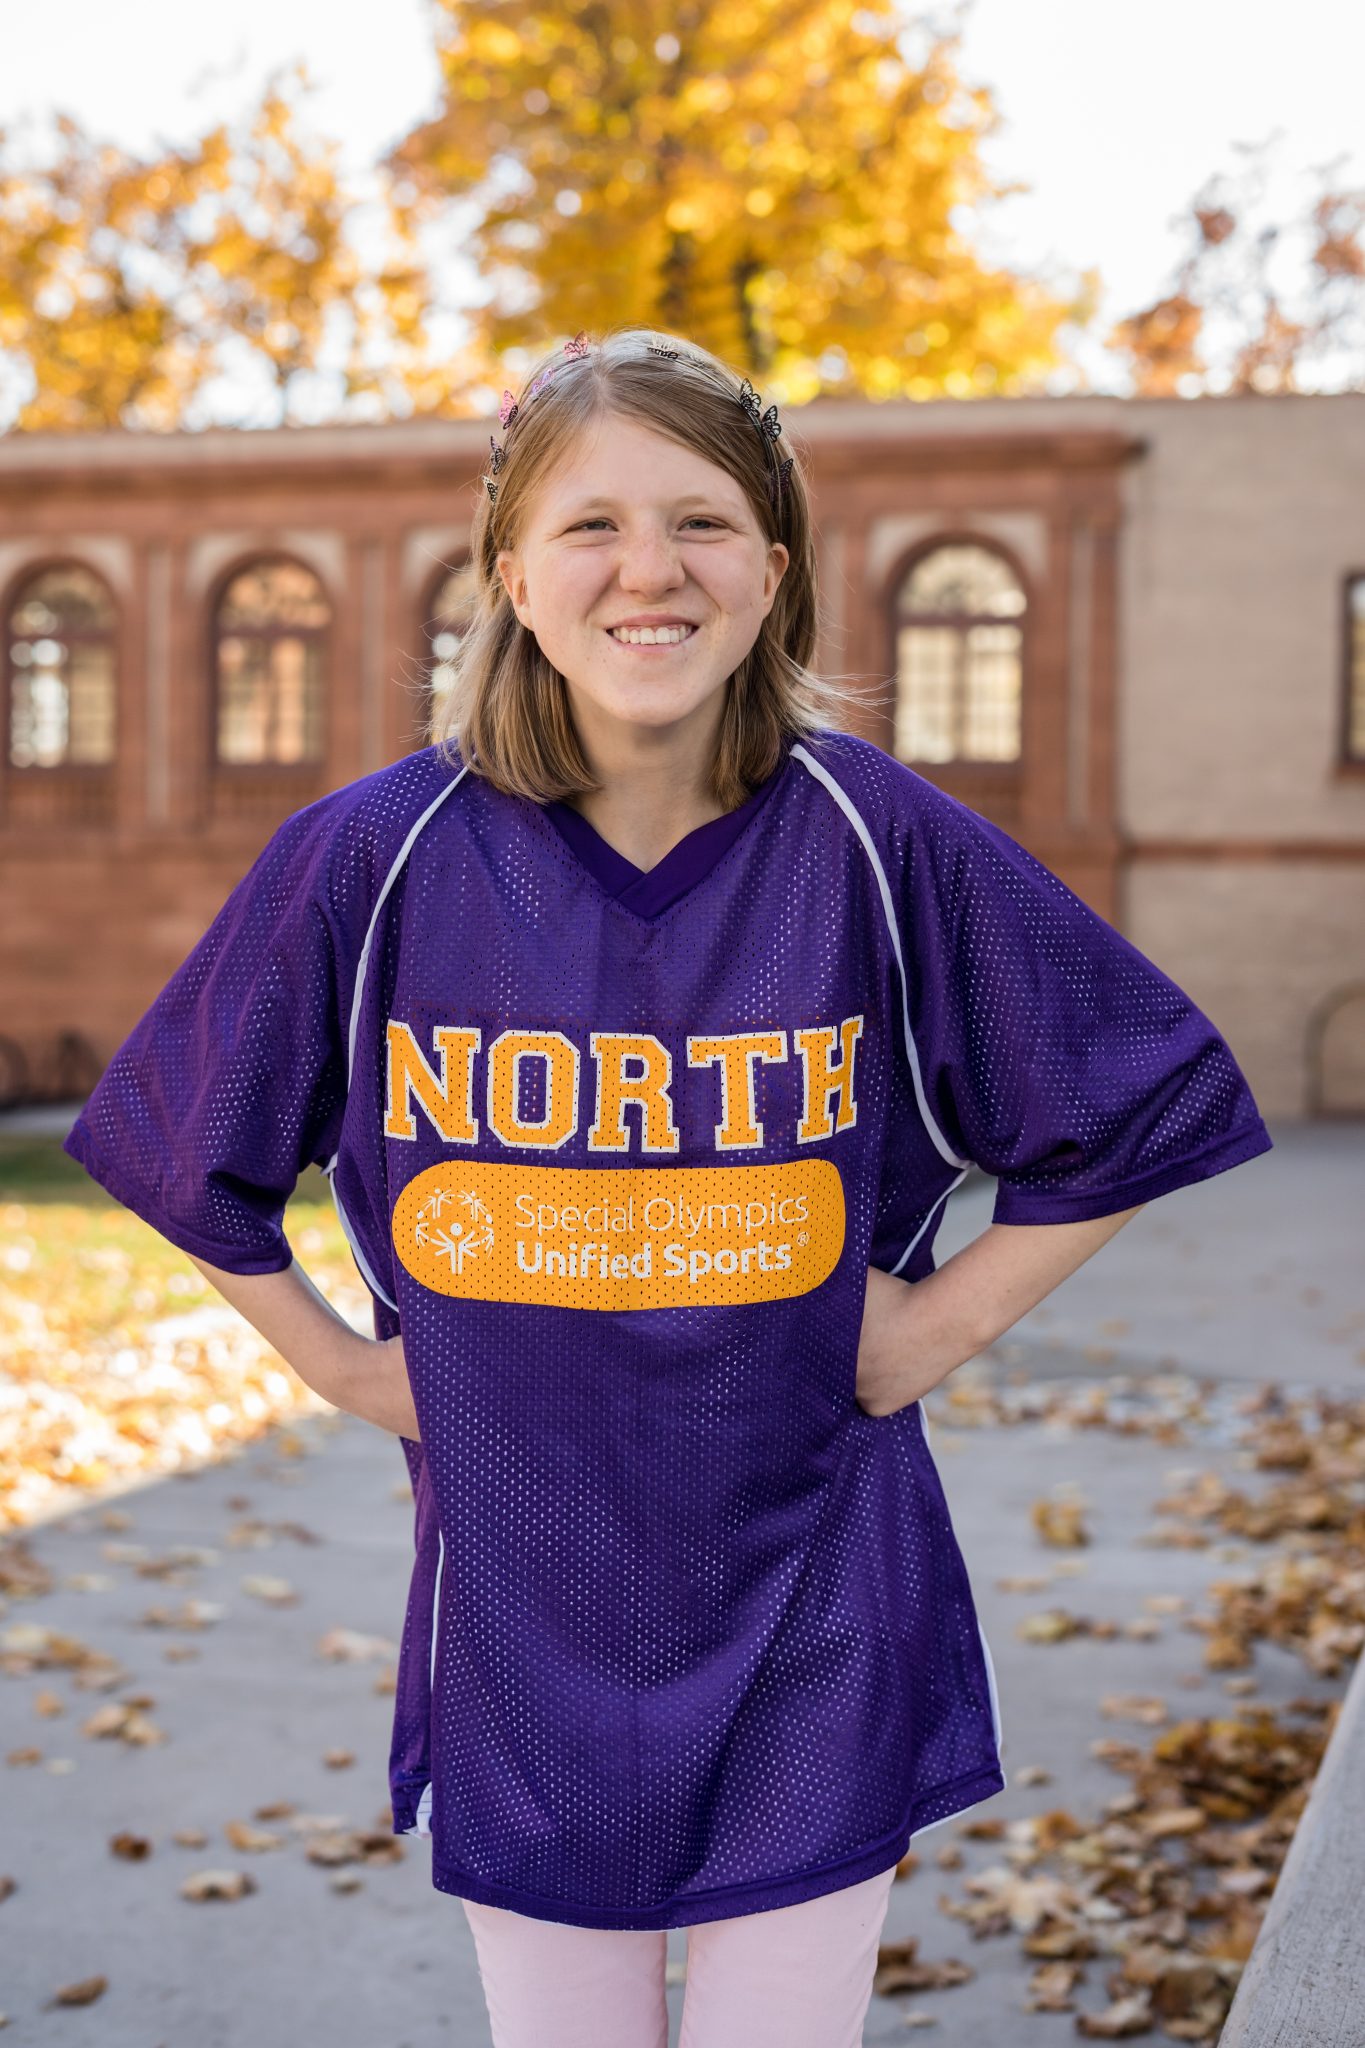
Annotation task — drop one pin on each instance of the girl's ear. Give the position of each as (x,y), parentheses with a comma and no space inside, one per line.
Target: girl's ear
(514,581)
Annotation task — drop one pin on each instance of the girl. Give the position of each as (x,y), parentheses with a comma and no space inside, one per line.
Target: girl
(644,1022)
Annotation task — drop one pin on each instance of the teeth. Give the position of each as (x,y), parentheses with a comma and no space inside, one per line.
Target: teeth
(652,636)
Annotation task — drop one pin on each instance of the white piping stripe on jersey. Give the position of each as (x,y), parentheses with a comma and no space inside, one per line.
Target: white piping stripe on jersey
(353,1241)
(996,1725)
(404,850)
(929,1219)
(424,1803)
(392,876)
(995,1696)
(854,816)
(423,1825)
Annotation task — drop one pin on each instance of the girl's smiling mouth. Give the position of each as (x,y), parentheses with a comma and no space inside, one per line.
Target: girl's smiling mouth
(650,636)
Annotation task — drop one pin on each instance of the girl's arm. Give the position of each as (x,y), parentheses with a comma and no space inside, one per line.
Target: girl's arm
(365,1376)
(914,1336)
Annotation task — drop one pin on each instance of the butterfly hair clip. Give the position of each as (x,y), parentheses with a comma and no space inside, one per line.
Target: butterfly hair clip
(510,408)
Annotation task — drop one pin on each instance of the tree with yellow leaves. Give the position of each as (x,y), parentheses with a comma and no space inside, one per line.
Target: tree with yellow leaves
(781,182)
(128,287)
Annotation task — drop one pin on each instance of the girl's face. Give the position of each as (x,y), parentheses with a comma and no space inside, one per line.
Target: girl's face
(631,528)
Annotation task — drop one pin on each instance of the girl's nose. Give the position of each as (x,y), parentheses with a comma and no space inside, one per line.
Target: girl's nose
(649,560)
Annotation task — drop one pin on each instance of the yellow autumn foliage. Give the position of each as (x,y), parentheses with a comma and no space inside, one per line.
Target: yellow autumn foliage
(129,285)
(787,186)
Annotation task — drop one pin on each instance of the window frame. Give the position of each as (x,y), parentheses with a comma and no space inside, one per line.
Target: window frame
(964,767)
(312,767)
(30,573)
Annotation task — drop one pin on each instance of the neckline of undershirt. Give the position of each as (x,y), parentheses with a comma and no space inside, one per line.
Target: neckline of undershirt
(649,891)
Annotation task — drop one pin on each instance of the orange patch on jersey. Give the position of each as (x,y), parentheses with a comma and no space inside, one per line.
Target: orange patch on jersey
(621,1237)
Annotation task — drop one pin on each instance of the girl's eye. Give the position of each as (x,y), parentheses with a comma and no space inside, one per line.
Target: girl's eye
(697,519)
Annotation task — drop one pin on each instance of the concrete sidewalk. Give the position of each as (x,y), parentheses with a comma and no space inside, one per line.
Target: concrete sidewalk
(1257,1273)
(1215,1276)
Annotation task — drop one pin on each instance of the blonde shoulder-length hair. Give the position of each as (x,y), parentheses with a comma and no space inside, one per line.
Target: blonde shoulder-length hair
(507,709)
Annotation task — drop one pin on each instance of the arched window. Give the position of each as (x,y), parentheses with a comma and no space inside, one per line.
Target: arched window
(1336,1054)
(60,667)
(270,644)
(959,657)
(448,614)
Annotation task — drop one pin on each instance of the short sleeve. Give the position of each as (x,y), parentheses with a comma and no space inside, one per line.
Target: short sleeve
(235,1078)
(1053,1053)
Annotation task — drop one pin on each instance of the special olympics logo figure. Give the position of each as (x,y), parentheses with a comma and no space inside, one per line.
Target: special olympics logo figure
(455,1240)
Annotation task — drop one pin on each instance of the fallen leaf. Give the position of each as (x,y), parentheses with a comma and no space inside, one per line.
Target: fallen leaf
(242,1835)
(1060,1523)
(276,1592)
(1226,1651)
(1050,1987)
(899,1969)
(349,1646)
(85,1992)
(175,1563)
(218,1884)
(1119,2022)
(1130,1706)
(132,1848)
(191,1614)
(1175,1820)
(352,1845)
(126,1722)
(1053,1625)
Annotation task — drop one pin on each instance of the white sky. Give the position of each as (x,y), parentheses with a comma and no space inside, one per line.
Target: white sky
(1114,115)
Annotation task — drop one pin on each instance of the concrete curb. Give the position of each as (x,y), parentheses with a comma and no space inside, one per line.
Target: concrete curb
(1304,1982)
(39,1119)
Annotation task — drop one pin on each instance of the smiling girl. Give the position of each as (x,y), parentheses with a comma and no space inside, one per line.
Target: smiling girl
(644,1023)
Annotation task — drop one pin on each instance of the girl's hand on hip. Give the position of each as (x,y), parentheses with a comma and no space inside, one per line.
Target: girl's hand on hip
(898,1360)
(377,1387)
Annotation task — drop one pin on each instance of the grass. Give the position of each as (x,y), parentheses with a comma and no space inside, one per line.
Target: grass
(118,1360)
(34,1168)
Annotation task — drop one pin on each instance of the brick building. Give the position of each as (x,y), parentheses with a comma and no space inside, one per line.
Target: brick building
(1130,631)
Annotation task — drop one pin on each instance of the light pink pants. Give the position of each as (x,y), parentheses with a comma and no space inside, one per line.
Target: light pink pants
(795,1977)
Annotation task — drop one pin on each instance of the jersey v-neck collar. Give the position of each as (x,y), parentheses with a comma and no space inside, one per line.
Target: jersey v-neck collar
(648,892)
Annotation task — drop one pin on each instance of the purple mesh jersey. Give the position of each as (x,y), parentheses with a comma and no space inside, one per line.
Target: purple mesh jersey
(689,1634)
